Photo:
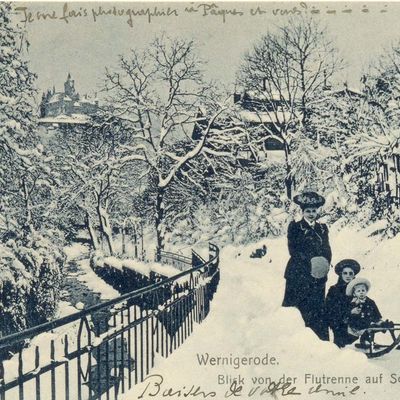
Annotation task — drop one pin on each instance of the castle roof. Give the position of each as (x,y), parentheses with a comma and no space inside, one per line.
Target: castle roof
(59,96)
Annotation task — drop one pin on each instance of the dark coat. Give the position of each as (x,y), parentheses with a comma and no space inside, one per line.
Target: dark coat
(337,304)
(369,313)
(336,309)
(304,243)
(302,290)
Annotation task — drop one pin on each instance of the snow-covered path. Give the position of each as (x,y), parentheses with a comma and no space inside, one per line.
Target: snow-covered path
(247,320)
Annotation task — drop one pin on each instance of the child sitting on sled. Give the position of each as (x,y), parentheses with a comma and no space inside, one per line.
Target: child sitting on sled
(363,312)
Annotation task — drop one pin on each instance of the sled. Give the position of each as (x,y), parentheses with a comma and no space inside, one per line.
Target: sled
(386,339)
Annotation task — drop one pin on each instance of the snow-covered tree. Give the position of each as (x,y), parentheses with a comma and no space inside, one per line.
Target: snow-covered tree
(160,98)
(374,149)
(98,183)
(30,264)
(17,137)
(26,182)
(283,75)
(378,131)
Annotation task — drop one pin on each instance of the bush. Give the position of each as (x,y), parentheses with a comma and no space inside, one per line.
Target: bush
(252,211)
(31,275)
(15,283)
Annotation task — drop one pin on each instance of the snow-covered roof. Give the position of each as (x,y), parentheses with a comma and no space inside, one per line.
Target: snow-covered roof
(348,89)
(59,97)
(264,117)
(270,95)
(65,119)
(55,98)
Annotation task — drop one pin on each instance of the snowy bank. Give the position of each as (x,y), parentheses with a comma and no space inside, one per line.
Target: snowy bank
(247,322)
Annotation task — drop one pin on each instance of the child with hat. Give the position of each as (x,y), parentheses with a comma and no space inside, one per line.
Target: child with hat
(337,303)
(363,312)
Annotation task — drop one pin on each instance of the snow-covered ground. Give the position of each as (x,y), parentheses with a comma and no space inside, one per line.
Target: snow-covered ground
(247,320)
(248,324)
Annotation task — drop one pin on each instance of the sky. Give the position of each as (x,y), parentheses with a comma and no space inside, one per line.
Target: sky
(85,47)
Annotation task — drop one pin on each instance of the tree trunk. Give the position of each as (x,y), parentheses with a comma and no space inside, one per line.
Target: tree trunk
(28,207)
(105,228)
(159,222)
(135,241)
(123,233)
(289,187)
(288,177)
(92,232)
(142,241)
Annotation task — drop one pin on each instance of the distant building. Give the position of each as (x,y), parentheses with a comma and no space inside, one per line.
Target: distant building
(267,115)
(66,107)
(271,113)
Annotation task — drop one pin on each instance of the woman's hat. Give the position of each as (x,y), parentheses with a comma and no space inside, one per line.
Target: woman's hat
(309,199)
(355,282)
(347,263)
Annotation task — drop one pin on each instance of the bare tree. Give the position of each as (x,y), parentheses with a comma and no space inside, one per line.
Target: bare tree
(284,74)
(160,98)
(95,178)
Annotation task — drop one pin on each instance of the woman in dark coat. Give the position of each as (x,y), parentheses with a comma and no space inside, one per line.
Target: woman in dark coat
(337,303)
(306,271)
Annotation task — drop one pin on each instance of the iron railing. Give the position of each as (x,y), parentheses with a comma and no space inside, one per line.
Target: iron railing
(178,261)
(103,351)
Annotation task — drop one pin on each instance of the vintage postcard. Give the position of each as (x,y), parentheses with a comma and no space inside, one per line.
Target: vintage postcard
(199,200)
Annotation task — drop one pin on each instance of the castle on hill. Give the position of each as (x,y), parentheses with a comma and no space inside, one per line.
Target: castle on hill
(67,103)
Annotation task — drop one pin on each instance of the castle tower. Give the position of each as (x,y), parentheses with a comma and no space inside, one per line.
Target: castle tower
(69,87)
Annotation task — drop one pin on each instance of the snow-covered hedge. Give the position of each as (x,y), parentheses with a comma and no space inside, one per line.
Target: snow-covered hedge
(126,275)
(30,278)
(121,274)
(228,223)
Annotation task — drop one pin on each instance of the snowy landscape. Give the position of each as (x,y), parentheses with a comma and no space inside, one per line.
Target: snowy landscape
(262,326)
(144,227)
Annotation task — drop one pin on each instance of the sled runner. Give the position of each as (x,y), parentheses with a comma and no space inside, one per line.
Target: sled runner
(384,339)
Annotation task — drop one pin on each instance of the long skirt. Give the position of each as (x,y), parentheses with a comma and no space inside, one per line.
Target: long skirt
(341,337)
(311,305)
